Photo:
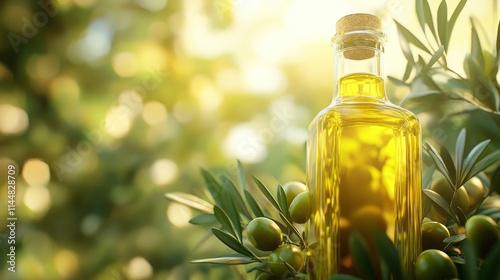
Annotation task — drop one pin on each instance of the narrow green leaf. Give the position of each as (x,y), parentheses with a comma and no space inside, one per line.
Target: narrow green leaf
(498,41)
(453,20)
(471,159)
(448,161)
(435,57)
(407,72)
(494,213)
(223,219)
(484,163)
(439,162)
(442,23)
(490,268)
(282,202)
(290,225)
(262,266)
(493,91)
(226,260)
(361,257)
(405,48)
(428,19)
(475,49)
(254,206)
(471,261)
(457,259)
(241,175)
(397,81)
(234,216)
(389,254)
(411,38)
(204,220)
(266,192)
(455,238)
(343,277)
(440,202)
(191,201)
(232,242)
(427,177)
(213,186)
(419,7)
(495,180)
(459,153)
(235,196)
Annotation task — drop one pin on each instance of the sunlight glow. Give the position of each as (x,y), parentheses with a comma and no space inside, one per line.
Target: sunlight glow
(67,264)
(154,113)
(118,121)
(163,171)
(178,214)
(36,172)
(139,268)
(13,120)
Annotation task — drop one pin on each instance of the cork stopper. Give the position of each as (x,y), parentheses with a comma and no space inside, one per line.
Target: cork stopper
(358,22)
(363,31)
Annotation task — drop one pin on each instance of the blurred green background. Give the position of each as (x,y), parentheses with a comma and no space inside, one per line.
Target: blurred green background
(107,105)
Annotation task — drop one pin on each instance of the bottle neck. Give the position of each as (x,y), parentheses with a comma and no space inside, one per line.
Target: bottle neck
(358,72)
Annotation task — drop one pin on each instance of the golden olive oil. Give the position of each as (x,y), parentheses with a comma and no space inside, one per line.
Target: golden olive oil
(363,164)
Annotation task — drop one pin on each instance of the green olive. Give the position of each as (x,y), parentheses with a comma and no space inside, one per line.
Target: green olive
(290,254)
(264,234)
(434,265)
(292,189)
(483,233)
(433,234)
(300,208)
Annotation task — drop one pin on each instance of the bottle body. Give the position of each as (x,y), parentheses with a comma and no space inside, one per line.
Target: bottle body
(363,172)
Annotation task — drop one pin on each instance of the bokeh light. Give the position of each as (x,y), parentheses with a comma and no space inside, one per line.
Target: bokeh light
(139,268)
(164,171)
(13,120)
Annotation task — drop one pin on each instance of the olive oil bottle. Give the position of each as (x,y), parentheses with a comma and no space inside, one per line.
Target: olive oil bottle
(363,160)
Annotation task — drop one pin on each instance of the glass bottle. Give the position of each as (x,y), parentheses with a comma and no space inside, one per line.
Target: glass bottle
(363,159)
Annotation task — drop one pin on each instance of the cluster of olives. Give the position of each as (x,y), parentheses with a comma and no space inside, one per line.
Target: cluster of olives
(481,231)
(265,234)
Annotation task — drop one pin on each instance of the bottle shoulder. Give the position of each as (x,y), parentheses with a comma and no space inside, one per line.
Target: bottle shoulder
(366,113)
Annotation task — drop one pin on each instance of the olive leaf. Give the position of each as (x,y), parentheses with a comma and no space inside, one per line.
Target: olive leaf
(471,261)
(441,203)
(226,260)
(266,192)
(360,255)
(204,220)
(213,186)
(254,206)
(495,180)
(490,268)
(343,277)
(281,197)
(262,266)
(453,20)
(190,201)
(223,219)
(455,238)
(425,16)
(235,196)
(435,57)
(409,37)
(389,255)
(233,243)
(442,23)
(482,164)
(459,151)
(290,225)
(458,260)
(241,175)
(440,165)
